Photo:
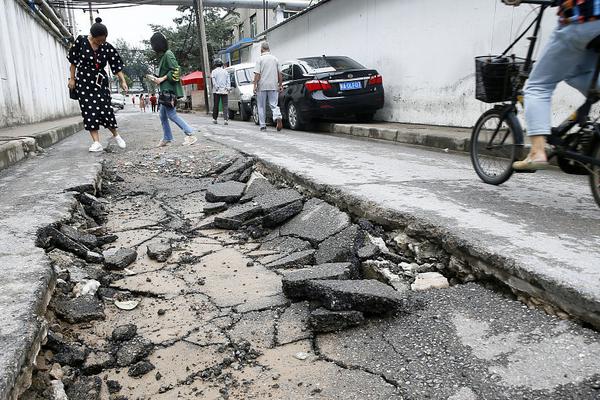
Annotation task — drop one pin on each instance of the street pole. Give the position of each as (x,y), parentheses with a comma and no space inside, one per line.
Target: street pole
(205,64)
(91,13)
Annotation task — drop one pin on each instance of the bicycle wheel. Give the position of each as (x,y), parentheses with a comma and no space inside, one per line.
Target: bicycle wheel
(595,175)
(493,145)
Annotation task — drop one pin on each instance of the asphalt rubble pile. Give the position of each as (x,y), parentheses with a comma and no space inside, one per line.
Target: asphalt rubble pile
(347,270)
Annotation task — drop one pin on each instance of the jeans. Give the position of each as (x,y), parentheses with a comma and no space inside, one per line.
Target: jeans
(272,96)
(223,98)
(565,58)
(170,113)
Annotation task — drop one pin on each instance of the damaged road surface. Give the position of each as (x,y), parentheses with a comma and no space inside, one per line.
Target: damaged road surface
(193,276)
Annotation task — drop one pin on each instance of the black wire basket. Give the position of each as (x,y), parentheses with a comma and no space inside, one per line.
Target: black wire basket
(495,77)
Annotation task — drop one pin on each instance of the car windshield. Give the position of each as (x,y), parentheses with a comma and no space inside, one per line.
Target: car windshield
(329,64)
(245,76)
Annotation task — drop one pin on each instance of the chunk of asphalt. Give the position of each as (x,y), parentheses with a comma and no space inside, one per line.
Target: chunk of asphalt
(63,260)
(283,214)
(213,208)
(79,309)
(235,217)
(340,247)
(294,260)
(139,369)
(295,283)
(159,251)
(124,332)
(317,221)
(257,186)
(235,170)
(119,259)
(97,362)
(73,355)
(85,388)
(86,239)
(366,295)
(245,176)
(228,192)
(322,320)
(106,239)
(286,245)
(275,199)
(52,237)
(133,351)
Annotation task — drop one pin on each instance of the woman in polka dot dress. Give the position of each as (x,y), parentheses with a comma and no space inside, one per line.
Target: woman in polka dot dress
(88,57)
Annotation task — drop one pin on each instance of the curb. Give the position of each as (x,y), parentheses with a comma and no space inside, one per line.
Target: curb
(17,149)
(484,264)
(413,135)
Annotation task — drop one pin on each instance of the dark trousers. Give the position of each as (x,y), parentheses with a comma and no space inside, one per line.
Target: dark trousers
(153,107)
(223,99)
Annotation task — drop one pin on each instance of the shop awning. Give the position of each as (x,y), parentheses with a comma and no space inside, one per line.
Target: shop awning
(195,77)
(238,45)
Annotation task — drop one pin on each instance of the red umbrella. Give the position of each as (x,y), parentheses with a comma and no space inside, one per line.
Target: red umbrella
(195,77)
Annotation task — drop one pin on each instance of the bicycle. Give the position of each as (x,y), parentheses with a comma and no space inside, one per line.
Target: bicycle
(497,139)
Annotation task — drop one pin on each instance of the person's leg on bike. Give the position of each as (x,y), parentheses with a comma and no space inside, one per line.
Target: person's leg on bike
(565,58)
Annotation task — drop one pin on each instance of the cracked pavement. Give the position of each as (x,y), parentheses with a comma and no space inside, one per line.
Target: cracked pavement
(220,326)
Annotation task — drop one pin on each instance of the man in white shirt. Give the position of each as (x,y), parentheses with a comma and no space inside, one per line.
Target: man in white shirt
(221,84)
(267,85)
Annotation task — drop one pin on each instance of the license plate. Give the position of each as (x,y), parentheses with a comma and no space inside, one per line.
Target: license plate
(350,85)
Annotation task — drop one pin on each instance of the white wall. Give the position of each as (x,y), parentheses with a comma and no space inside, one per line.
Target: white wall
(424,49)
(33,70)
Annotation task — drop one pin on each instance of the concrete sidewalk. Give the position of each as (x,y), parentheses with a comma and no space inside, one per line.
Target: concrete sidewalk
(440,137)
(538,234)
(17,142)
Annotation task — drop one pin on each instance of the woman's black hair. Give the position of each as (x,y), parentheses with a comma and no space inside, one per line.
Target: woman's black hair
(159,43)
(98,29)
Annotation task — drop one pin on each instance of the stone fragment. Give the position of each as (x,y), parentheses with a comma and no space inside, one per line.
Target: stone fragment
(62,260)
(72,354)
(235,170)
(159,251)
(213,208)
(113,386)
(286,245)
(86,239)
(235,217)
(257,186)
(366,295)
(281,215)
(119,259)
(294,260)
(427,251)
(85,388)
(140,368)
(79,309)
(276,199)
(245,175)
(94,258)
(58,390)
(340,247)
(369,250)
(96,362)
(322,320)
(317,221)
(295,283)
(56,372)
(430,280)
(228,192)
(107,239)
(413,269)
(133,351)
(54,341)
(50,236)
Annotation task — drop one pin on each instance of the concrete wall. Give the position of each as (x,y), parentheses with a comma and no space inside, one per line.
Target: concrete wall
(33,70)
(423,48)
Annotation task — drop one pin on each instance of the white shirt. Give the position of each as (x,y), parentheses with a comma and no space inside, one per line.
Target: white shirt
(221,81)
(268,68)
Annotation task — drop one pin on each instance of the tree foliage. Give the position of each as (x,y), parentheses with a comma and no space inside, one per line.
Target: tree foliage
(136,64)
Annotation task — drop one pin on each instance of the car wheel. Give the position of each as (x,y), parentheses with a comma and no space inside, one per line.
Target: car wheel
(365,117)
(231,114)
(243,114)
(293,117)
(255,113)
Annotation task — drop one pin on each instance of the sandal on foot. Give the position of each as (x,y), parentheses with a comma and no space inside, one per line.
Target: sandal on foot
(530,165)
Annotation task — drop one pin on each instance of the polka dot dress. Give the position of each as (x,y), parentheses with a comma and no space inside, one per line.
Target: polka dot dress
(94,99)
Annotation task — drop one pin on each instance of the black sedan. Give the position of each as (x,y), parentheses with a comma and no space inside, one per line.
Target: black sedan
(327,87)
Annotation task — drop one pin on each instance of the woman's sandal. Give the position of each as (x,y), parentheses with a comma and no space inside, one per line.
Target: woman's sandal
(530,165)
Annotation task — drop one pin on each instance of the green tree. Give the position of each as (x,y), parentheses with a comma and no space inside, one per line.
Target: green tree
(136,63)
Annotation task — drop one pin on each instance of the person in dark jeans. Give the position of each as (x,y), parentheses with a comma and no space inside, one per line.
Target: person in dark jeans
(221,84)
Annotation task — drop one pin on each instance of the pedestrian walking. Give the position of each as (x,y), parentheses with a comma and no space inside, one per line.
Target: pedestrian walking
(153,101)
(221,84)
(146,102)
(170,90)
(89,56)
(133,99)
(142,104)
(267,85)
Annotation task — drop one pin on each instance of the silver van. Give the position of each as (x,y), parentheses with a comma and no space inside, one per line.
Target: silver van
(242,89)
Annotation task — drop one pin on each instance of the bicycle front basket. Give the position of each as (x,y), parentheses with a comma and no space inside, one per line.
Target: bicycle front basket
(494,77)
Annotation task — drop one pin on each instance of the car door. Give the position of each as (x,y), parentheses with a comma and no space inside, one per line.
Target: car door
(234,94)
(292,89)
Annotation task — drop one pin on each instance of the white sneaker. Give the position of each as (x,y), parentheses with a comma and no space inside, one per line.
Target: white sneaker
(96,147)
(214,121)
(120,141)
(190,140)
(164,143)
(226,123)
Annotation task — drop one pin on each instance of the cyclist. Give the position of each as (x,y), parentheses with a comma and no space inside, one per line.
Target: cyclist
(565,58)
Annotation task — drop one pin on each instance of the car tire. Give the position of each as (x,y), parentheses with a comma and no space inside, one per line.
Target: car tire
(231,114)
(255,113)
(294,119)
(244,116)
(365,117)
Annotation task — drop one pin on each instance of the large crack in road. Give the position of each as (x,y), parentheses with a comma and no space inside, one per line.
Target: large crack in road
(205,314)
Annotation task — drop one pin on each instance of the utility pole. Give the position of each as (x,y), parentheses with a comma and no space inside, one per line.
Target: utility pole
(91,13)
(205,64)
